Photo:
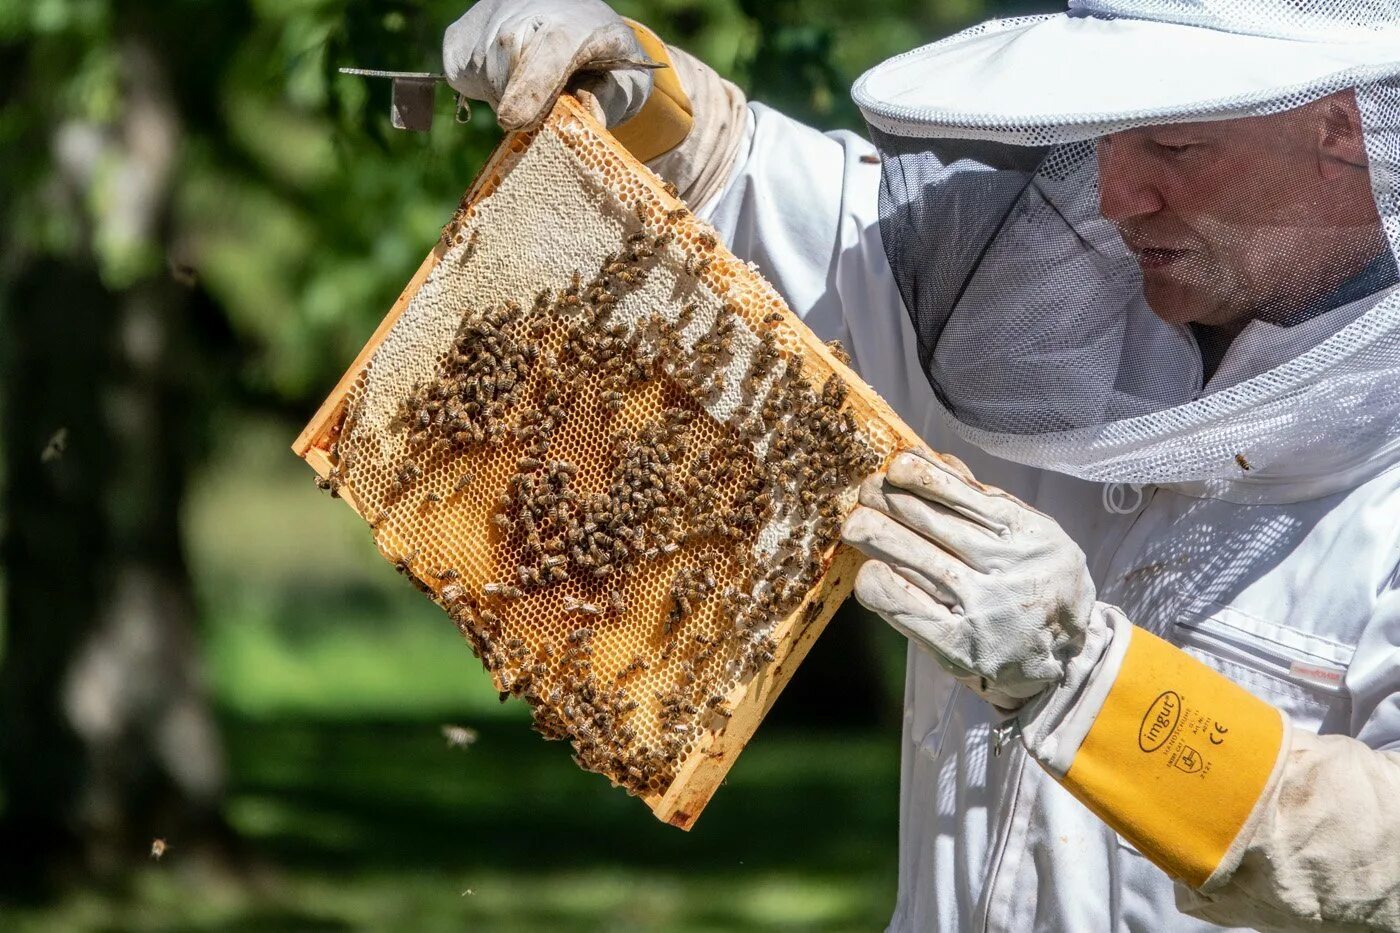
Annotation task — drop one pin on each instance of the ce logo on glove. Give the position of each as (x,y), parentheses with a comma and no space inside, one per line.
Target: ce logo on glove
(994,589)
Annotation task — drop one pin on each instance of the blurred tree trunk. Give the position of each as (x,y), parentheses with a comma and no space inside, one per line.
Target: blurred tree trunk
(106,739)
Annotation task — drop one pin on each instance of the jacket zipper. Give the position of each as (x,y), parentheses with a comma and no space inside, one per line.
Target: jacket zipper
(989,889)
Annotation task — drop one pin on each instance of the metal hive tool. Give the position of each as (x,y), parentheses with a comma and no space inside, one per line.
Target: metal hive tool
(607,448)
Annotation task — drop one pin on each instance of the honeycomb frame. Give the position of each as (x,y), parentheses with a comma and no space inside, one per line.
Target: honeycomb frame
(706,758)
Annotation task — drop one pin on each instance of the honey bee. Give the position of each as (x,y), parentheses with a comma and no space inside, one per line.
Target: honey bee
(448,575)
(451,593)
(407,474)
(772,317)
(706,240)
(1243,463)
(159,848)
(405,562)
(379,518)
(676,214)
(695,266)
(463,481)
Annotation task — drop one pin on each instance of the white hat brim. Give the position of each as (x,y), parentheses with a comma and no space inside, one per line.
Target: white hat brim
(1061,78)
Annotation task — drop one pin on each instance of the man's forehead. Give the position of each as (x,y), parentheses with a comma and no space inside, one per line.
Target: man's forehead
(1303,116)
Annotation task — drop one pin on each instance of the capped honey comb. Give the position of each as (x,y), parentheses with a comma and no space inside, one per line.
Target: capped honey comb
(613,455)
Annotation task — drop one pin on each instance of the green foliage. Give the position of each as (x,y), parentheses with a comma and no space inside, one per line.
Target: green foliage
(378,825)
(301,210)
(301,213)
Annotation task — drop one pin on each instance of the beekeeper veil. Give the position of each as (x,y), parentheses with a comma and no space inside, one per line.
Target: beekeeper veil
(1154,241)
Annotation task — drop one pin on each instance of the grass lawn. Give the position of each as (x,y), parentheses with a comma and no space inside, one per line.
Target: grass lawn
(334,678)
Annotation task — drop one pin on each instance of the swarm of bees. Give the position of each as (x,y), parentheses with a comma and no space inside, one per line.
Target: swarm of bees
(616,499)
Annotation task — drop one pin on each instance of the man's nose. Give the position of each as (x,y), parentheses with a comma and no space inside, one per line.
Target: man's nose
(1126,187)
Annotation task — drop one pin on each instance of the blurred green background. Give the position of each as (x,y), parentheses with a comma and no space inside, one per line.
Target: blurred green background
(202,222)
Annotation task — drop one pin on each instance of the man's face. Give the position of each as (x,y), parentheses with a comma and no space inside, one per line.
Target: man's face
(1244,218)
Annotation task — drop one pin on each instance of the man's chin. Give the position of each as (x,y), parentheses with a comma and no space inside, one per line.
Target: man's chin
(1175,304)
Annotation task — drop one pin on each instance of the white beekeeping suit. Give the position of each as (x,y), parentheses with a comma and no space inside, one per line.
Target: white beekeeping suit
(1135,265)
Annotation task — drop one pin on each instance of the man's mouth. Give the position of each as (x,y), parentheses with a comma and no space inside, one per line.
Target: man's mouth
(1158,258)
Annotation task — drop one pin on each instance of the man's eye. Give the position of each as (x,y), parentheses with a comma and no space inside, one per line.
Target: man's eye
(1175,148)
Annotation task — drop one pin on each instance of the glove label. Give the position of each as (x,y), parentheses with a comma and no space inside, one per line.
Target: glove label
(1177,758)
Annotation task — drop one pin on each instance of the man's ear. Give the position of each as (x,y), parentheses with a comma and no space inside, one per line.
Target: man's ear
(1341,140)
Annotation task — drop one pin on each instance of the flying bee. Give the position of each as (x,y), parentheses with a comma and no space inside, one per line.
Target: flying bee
(158,848)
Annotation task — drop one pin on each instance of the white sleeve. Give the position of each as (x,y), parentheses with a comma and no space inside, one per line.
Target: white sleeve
(1324,852)
(802,206)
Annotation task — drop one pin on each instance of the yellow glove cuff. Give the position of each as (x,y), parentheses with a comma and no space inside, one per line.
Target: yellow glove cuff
(1177,758)
(665,119)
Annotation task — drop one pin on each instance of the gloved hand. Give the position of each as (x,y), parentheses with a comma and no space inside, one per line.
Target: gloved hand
(1124,721)
(684,121)
(996,590)
(517,55)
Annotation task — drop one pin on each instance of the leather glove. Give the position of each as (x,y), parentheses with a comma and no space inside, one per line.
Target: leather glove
(517,56)
(1129,724)
(994,589)
(684,121)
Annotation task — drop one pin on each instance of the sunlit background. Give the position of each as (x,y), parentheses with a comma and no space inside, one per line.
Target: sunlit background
(202,223)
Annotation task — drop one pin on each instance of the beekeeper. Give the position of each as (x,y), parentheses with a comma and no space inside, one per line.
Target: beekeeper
(1136,265)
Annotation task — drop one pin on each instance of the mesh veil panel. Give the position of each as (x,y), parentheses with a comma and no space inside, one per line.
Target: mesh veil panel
(922,183)
(1146,306)
(1022,296)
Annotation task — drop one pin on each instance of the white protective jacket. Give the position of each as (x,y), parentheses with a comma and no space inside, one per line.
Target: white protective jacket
(1289,587)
